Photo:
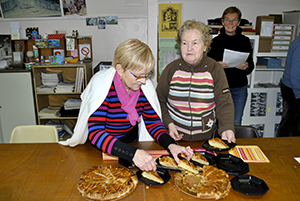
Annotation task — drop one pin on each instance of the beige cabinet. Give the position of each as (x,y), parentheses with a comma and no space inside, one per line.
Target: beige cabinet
(16,102)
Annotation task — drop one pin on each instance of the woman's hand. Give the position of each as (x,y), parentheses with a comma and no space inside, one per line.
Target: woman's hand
(224,65)
(173,132)
(243,66)
(176,149)
(144,161)
(228,135)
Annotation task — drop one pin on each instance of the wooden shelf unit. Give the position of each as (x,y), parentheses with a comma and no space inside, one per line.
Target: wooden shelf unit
(27,45)
(43,100)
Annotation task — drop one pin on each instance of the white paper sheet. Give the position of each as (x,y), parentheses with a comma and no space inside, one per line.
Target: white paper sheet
(266,28)
(234,58)
(297,159)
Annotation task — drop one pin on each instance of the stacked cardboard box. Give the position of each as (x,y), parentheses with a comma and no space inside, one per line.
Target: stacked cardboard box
(264,28)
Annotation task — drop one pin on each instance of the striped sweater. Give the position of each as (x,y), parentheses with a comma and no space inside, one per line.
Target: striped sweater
(194,97)
(110,131)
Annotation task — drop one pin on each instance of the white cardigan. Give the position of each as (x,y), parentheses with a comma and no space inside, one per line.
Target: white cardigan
(94,95)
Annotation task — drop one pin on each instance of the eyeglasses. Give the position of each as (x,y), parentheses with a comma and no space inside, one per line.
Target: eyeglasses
(139,78)
(233,20)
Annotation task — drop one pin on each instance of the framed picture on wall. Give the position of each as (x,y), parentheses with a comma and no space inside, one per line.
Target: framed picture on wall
(91,21)
(101,22)
(30,9)
(74,7)
(111,20)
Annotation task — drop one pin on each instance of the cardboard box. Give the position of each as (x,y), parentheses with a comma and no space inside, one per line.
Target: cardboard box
(264,26)
(264,44)
(277,18)
(269,62)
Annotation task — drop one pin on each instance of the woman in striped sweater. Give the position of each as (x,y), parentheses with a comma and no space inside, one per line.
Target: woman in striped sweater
(116,101)
(193,91)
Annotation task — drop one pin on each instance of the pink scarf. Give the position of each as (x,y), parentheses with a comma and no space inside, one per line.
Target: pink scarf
(128,101)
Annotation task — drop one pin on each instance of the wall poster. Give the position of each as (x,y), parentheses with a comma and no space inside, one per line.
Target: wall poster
(5,48)
(279,104)
(276,126)
(260,129)
(167,53)
(74,7)
(169,20)
(258,104)
(30,8)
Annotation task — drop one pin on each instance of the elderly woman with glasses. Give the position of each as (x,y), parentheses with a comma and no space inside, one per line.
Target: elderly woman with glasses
(120,100)
(193,90)
(231,38)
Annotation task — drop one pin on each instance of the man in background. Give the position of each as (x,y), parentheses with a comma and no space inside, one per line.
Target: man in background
(290,91)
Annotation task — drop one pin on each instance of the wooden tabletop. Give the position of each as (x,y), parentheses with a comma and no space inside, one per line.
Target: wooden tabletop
(51,171)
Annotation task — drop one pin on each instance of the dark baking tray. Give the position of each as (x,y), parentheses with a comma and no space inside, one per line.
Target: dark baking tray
(126,163)
(231,164)
(249,185)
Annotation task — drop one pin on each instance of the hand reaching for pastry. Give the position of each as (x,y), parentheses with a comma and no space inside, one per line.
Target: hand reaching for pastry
(144,160)
(228,135)
(176,149)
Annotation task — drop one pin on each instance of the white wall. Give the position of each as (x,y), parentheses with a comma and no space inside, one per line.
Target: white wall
(132,24)
(201,10)
(209,9)
(139,19)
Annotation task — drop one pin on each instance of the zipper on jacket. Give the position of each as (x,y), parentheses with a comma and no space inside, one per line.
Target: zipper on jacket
(192,73)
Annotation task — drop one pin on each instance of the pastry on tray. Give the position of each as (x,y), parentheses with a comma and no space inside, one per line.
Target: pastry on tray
(218,143)
(187,165)
(168,161)
(199,158)
(153,176)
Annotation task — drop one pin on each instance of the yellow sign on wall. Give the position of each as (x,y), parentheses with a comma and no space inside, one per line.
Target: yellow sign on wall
(169,20)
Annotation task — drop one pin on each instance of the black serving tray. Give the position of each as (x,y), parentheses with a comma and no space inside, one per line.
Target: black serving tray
(231,164)
(206,145)
(126,163)
(249,185)
(164,174)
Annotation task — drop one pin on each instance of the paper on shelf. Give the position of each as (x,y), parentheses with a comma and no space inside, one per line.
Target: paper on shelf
(15,30)
(234,58)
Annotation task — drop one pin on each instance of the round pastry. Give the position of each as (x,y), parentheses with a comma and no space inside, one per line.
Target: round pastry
(107,182)
(210,183)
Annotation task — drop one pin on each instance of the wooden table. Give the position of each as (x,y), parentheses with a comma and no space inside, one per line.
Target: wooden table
(51,171)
